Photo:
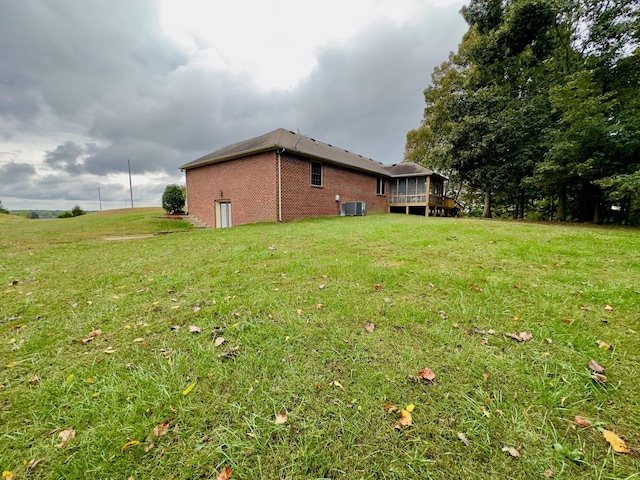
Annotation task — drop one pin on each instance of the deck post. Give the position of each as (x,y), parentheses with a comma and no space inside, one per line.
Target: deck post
(428,196)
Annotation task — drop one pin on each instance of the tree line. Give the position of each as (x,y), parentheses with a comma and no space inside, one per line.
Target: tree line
(537,115)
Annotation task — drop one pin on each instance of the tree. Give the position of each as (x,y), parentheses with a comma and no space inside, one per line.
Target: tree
(76,211)
(539,107)
(2,209)
(173,199)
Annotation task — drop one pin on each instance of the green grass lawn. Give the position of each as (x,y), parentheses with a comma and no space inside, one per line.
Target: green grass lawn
(285,381)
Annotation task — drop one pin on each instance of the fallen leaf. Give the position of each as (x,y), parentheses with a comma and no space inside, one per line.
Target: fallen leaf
(427,374)
(444,315)
(615,441)
(581,421)
(463,438)
(377,287)
(321,287)
(299,311)
(161,429)
(196,309)
(138,340)
(149,447)
(319,306)
(281,418)
(65,437)
(130,444)
(603,345)
(521,337)
(110,350)
(405,420)
(512,451)
(92,335)
(230,352)
(225,474)
(390,408)
(485,412)
(317,387)
(410,407)
(218,341)
(485,376)
(336,383)
(194,329)
(548,473)
(188,389)
(596,367)
(11,364)
(599,378)
(608,308)
(175,328)
(369,327)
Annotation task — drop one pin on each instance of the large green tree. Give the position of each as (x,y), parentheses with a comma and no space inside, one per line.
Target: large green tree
(538,106)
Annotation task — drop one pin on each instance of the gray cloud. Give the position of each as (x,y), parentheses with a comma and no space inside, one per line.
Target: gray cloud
(103,72)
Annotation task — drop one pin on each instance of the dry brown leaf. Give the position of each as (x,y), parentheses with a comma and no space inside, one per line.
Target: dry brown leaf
(548,473)
(602,345)
(512,451)
(444,315)
(281,418)
(369,326)
(196,309)
(65,436)
(317,387)
(161,429)
(218,341)
(427,374)
(194,329)
(225,474)
(485,376)
(608,308)
(596,367)
(377,287)
(390,408)
(92,335)
(599,378)
(615,441)
(581,421)
(520,337)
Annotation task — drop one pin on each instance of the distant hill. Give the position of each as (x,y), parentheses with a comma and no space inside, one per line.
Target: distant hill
(38,214)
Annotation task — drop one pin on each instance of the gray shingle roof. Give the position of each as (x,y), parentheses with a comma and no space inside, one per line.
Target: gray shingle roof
(308,147)
(292,142)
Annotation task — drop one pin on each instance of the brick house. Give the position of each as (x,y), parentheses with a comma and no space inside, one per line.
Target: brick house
(283,176)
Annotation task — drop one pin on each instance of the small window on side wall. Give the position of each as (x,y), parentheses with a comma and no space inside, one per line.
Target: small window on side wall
(316,174)
(380,186)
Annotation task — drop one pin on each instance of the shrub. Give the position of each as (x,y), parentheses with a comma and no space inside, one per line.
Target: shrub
(173,200)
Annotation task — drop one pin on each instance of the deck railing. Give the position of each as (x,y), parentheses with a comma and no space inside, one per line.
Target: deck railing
(434,200)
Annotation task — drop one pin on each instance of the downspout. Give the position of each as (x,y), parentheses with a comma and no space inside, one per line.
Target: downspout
(280,185)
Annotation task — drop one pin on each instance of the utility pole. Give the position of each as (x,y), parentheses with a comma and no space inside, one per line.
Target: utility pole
(99,199)
(130,185)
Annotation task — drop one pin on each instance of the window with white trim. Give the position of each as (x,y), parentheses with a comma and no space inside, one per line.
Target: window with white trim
(380,187)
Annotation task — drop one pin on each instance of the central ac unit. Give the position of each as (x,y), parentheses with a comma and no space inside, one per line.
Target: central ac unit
(353,209)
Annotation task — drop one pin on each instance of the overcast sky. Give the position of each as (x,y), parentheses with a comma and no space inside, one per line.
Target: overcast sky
(86,85)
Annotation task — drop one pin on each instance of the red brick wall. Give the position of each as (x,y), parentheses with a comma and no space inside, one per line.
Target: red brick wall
(249,183)
(301,200)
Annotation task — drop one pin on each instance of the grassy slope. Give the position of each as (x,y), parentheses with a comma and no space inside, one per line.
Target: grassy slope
(230,283)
